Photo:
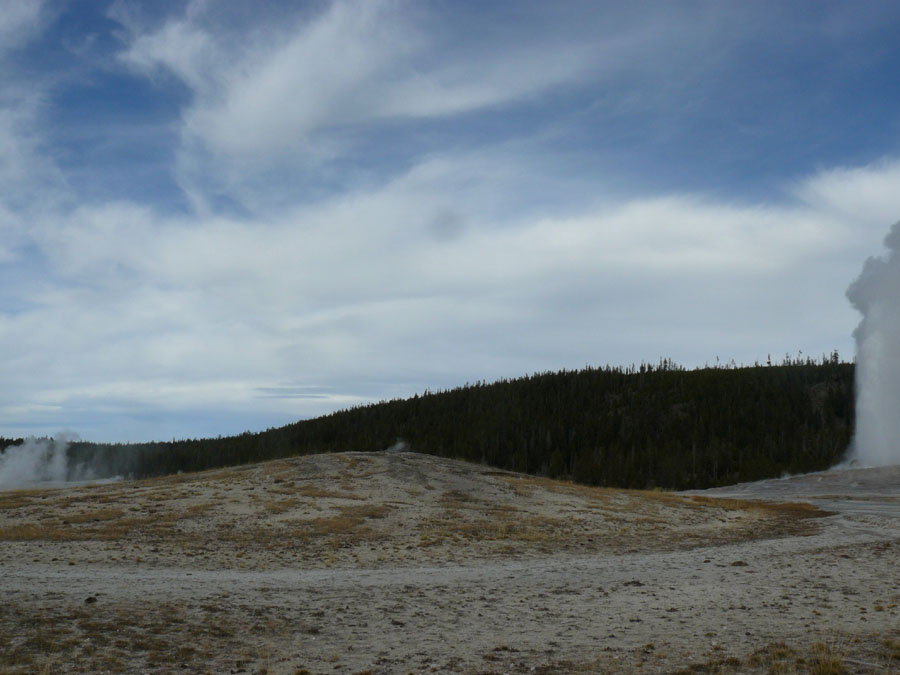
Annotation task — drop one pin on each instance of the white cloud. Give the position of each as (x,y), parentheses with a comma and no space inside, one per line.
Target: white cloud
(288,97)
(866,196)
(10,237)
(160,312)
(19,20)
(327,74)
(29,181)
(277,105)
(385,235)
(187,52)
(459,265)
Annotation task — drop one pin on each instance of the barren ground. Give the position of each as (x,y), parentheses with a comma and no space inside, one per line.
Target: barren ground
(398,562)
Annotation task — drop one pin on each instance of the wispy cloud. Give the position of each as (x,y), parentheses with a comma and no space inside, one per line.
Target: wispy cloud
(862,195)
(388,196)
(348,64)
(19,21)
(29,180)
(157,311)
(292,98)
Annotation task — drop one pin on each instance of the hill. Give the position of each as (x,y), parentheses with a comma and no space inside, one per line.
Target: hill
(640,427)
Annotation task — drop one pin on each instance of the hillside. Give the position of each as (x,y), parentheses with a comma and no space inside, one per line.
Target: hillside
(649,426)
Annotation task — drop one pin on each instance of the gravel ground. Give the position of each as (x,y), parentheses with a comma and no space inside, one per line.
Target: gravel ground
(398,562)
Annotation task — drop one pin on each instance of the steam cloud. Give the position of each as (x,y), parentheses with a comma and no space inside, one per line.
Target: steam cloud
(399,446)
(39,460)
(876,294)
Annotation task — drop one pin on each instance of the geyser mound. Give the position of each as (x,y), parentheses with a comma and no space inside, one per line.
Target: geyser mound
(876,294)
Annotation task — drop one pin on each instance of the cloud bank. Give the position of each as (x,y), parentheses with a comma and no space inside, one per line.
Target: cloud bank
(143,311)
(353,201)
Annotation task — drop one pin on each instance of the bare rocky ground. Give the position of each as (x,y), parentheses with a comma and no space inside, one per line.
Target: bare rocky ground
(398,562)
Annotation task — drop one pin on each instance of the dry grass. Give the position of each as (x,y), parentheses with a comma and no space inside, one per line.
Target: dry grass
(103,524)
(502,526)
(19,498)
(95,516)
(153,637)
(277,506)
(856,654)
(365,511)
(523,485)
(350,521)
(317,492)
(522,482)
(255,511)
(797,509)
(826,660)
(777,658)
(891,647)
(327,510)
(359,511)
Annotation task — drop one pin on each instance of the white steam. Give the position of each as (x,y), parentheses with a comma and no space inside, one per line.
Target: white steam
(876,294)
(399,446)
(38,460)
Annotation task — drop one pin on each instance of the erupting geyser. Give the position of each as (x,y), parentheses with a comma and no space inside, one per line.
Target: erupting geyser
(42,461)
(37,460)
(876,294)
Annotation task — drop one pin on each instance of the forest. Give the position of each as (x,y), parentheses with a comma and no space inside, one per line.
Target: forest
(637,427)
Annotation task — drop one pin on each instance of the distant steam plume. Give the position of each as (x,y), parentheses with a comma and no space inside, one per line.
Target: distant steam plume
(876,294)
(40,460)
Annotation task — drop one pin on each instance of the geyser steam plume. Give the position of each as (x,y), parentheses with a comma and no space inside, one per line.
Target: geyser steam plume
(876,294)
(39,460)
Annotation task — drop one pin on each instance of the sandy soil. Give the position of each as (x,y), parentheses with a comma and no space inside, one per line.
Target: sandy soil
(398,562)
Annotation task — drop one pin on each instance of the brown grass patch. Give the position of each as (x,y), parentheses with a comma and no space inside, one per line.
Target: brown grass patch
(34,531)
(493,525)
(95,516)
(278,506)
(826,660)
(365,511)
(102,525)
(156,637)
(455,499)
(19,498)
(323,493)
(348,525)
(797,509)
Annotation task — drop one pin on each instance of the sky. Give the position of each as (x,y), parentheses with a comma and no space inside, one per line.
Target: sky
(222,216)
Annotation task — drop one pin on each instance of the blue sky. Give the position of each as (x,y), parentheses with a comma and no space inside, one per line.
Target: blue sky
(218,216)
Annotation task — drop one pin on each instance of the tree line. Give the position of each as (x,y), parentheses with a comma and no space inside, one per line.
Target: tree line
(637,427)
